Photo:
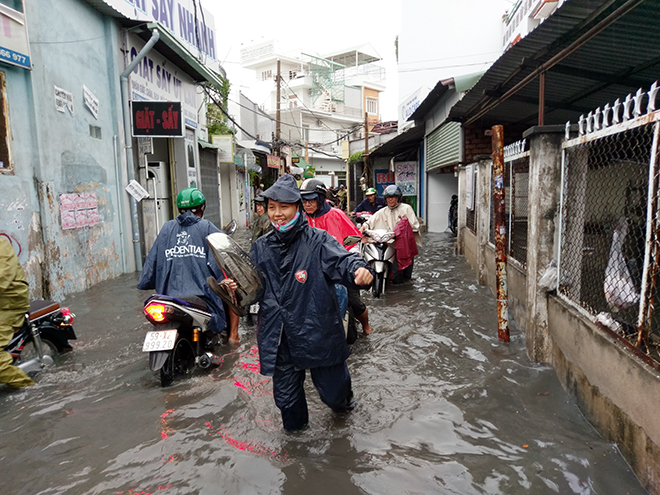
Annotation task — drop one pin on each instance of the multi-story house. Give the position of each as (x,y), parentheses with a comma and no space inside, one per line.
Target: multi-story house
(322,100)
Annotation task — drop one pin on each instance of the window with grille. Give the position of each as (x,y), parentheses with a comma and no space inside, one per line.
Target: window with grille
(372,106)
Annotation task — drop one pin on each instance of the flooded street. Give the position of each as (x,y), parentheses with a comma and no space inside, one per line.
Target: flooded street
(443,407)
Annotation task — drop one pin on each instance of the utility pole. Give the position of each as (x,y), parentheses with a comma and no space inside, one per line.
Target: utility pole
(277,116)
(500,234)
(366,147)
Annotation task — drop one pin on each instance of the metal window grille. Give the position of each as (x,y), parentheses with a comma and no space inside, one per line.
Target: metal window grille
(610,228)
(471,219)
(519,205)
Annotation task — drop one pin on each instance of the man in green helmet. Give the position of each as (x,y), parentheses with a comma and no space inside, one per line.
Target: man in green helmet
(179,261)
(371,204)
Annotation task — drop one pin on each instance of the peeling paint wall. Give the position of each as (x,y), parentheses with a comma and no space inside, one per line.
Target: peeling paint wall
(55,152)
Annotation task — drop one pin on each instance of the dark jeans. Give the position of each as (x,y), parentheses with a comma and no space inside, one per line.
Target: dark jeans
(332,382)
(401,276)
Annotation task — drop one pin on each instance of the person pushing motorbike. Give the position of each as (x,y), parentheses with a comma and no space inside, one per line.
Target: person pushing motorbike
(14,304)
(388,218)
(300,327)
(179,261)
(336,223)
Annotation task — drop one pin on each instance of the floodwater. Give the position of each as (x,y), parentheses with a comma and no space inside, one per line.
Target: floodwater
(444,407)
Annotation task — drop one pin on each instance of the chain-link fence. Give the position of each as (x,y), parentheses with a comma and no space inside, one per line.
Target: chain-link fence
(605,264)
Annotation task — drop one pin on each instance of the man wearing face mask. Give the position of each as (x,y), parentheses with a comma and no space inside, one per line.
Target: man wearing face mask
(300,327)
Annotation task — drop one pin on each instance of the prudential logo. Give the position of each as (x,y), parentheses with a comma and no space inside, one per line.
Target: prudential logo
(184,248)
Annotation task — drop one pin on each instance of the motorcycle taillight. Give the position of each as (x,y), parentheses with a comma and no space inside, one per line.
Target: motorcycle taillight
(157,312)
(67,316)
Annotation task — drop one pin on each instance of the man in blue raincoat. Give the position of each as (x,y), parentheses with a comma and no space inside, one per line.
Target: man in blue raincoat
(178,262)
(300,326)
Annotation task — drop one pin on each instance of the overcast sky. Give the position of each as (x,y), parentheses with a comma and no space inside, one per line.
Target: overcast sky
(448,37)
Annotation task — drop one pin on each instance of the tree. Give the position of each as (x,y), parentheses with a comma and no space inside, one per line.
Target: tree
(216,119)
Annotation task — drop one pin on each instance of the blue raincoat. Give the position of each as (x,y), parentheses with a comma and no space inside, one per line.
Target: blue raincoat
(300,267)
(178,264)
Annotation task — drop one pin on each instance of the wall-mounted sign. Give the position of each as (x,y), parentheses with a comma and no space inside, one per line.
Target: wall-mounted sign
(406,177)
(273,161)
(225,144)
(157,118)
(91,101)
(14,44)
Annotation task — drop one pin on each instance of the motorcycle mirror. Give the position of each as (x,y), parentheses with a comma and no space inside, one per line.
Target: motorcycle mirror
(230,228)
(351,239)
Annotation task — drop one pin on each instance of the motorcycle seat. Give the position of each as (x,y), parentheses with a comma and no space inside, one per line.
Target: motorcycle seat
(193,301)
(39,309)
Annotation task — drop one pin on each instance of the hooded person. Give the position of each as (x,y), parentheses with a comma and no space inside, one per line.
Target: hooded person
(261,223)
(179,261)
(300,326)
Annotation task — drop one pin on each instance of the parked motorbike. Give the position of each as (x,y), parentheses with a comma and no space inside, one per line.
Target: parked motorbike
(453,215)
(45,334)
(180,339)
(378,249)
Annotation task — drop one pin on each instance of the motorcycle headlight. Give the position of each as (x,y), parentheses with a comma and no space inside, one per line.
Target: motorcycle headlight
(385,237)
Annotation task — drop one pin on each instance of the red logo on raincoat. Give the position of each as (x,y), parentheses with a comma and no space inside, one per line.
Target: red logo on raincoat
(301,276)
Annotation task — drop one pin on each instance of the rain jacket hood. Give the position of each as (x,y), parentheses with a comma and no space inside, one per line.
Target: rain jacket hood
(179,262)
(285,190)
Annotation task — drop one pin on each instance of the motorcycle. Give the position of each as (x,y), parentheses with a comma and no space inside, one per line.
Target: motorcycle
(361,217)
(180,339)
(378,249)
(44,335)
(453,215)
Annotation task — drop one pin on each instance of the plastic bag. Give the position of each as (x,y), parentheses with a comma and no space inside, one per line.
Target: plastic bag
(619,287)
(548,281)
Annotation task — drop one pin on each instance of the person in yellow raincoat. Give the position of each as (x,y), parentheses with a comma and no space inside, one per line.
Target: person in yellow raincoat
(14,303)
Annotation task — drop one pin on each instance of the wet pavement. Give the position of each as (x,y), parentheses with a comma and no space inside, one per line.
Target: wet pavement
(444,407)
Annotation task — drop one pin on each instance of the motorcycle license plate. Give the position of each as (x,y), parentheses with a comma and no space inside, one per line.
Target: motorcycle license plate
(160,340)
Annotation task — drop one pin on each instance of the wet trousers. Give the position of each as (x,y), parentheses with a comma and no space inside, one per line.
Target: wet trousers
(9,374)
(332,382)
(401,276)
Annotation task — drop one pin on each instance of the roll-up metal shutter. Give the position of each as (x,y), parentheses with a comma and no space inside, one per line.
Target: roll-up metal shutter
(208,166)
(444,146)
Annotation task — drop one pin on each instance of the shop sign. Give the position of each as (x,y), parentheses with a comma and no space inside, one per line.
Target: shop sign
(157,118)
(14,43)
(157,79)
(405,174)
(185,19)
(273,161)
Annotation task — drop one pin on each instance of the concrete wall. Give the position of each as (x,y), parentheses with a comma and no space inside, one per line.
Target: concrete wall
(614,387)
(615,390)
(55,154)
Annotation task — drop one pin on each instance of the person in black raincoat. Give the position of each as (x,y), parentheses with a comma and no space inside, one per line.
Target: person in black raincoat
(299,325)
(179,261)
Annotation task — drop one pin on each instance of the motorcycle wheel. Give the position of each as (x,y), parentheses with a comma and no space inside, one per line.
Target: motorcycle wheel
(180,362)
(377,287)
(351,331)
(30,351)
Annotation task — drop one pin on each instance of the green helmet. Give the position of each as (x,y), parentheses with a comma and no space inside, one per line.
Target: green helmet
(190,198)
(369,191)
